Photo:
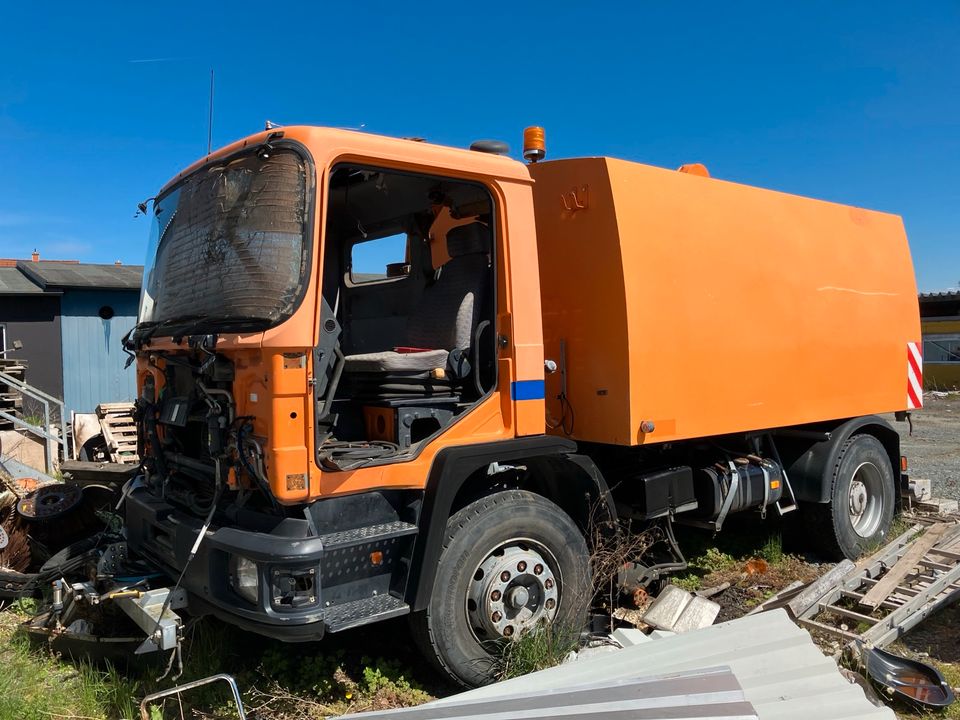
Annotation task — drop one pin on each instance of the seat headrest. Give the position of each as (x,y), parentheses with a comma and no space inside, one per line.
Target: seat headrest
(469,239)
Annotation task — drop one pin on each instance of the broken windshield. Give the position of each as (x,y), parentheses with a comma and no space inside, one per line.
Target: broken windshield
(229,244)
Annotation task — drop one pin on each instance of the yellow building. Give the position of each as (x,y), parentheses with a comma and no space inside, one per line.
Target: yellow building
(940,324)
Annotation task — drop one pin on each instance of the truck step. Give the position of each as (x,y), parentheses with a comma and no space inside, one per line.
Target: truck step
(361,612)
(368,534)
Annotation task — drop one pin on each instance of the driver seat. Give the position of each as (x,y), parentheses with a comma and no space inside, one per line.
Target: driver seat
(440,328)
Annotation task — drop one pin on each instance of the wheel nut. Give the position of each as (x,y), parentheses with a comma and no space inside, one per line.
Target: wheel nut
(551,603)
(508,631)
(521,566)
(538,569)
(495,595)
(505,576)
(548,583)
(497,616)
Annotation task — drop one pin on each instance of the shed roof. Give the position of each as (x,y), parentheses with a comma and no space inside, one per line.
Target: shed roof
(50,274)
(941,295)
(14,282)
(940,304)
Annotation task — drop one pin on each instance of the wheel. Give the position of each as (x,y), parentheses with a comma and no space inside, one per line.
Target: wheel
(95,450)
(862,500)
(509,561)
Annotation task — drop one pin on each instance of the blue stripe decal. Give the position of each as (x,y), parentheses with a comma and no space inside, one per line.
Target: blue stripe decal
(527,390)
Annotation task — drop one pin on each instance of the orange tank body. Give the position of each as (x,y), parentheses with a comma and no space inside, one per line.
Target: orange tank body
(706,307)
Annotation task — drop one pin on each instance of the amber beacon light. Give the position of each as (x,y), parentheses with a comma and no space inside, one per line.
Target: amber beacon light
(534,146)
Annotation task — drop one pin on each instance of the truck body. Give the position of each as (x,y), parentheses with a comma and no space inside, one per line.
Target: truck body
(709,308)
(381,377)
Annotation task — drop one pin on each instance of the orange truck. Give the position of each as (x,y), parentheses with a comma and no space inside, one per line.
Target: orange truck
(381,377)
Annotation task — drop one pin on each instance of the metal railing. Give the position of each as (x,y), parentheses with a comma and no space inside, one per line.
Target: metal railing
(45,401)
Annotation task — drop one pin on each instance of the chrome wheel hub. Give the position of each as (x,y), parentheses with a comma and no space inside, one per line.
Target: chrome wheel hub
(512,590)
(865,499)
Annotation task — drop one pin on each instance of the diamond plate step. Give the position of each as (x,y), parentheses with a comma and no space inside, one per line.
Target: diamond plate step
(370,533)
(361,612)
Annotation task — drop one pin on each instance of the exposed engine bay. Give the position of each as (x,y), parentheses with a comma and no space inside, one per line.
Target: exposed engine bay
(195,444)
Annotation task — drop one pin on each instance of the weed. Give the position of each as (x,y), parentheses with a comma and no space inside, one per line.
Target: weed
(714,560)
(544,646)
(335,683)
(772,550)
(691,582)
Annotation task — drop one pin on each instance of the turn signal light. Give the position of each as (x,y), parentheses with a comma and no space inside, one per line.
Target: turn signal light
(376,558)
(774,484)
(903,463)
(534,144)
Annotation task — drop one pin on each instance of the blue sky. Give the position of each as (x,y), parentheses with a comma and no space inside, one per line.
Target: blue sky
(856,102)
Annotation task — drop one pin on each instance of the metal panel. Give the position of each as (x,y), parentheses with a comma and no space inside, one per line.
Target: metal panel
(709,693)
(93,359)
(34,321)
(783,674)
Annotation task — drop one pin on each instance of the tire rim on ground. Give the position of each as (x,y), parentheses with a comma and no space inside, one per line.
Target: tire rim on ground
(516,587)
(865,499)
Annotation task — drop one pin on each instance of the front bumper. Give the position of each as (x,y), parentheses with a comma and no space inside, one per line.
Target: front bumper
(164,535)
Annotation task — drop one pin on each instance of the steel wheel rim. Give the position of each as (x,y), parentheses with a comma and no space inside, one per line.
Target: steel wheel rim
(865,499)
(513,589)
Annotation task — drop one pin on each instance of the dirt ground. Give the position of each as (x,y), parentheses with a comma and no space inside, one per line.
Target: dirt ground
(933,449)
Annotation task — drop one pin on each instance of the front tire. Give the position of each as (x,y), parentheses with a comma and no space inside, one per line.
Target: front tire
(510,561)
(862,500)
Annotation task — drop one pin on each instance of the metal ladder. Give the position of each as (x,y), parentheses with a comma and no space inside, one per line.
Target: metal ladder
(919,580)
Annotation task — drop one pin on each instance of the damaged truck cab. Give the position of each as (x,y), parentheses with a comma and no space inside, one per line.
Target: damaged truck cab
(346,414)
(301,398)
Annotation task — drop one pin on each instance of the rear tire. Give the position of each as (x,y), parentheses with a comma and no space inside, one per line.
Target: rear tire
(862,501)
(522,550)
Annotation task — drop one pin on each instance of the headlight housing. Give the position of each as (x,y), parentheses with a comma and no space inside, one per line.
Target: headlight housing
(245,578)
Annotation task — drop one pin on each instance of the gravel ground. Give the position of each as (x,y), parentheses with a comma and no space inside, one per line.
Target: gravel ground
(933,450)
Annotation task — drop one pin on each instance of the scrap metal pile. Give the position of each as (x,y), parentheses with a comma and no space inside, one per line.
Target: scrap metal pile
(64,542)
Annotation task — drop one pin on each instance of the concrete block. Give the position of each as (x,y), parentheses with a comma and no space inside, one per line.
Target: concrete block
(664,612)
(680,611)
(627,637)
(921,489)
(699,612)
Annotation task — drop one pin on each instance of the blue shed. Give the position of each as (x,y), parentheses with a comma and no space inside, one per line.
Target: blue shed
(98,306)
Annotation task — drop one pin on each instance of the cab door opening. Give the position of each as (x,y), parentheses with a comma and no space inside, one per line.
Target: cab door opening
(406,328)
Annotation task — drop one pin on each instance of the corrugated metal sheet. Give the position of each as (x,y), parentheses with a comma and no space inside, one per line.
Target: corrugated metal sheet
(709,693)
(93,359)
(783,673)
(50,274)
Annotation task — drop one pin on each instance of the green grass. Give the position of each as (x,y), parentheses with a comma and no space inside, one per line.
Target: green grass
(772,550)
(279,681)
(544,646)
(37,686)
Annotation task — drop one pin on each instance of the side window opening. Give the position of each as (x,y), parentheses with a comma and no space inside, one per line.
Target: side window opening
(412,257)
(379,259)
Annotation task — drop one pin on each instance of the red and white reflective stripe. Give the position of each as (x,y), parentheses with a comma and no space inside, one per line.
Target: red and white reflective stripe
(914,376)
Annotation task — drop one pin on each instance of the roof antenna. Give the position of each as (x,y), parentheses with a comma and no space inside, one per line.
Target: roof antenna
(210,117)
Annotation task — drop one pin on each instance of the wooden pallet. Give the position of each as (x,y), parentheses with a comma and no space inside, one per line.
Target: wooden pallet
(119,431)
(885,595)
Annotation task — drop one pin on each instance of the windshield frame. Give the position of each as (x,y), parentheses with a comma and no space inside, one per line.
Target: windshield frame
(170,327)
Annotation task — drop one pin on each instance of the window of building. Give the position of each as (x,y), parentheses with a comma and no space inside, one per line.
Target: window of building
(941,349)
